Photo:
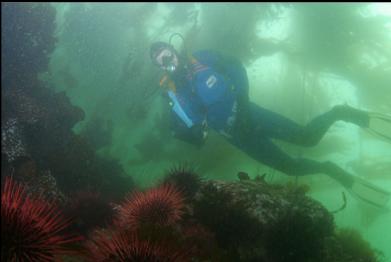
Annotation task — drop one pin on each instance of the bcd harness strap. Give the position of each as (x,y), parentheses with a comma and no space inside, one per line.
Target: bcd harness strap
(176,106)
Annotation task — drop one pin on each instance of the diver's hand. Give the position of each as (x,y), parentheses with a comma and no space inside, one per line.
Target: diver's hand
(199,133)
(196,135)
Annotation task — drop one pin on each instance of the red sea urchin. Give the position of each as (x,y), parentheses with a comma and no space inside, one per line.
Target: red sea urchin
(161,206)
(111,245)
(30,228)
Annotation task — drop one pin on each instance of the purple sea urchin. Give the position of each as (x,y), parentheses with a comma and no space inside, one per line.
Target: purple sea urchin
(184,177)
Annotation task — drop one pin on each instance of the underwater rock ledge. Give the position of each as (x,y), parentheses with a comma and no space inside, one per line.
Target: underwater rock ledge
(269,202)
(256,221)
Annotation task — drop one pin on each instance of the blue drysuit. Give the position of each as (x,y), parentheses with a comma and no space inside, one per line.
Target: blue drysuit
(213,93)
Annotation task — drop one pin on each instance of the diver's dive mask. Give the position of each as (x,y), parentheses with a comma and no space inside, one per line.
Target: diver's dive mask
(167,60)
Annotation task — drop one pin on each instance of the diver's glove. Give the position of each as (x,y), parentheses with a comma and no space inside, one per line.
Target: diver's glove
(199,133)
(196,135)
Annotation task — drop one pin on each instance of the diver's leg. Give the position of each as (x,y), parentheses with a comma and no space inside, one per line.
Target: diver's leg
(264,151)
(273,125)
(317,128)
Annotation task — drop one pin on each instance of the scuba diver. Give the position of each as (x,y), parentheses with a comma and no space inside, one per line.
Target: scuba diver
(206,90)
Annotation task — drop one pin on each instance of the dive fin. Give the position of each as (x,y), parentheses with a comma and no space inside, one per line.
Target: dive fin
(380,125)
(369,193)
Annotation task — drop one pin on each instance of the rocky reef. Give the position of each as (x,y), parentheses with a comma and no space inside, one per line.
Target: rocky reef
(39,149)
(37,121)
(255,221)
(246,220)
(251,220)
